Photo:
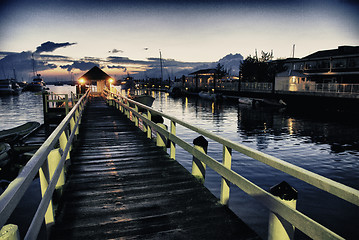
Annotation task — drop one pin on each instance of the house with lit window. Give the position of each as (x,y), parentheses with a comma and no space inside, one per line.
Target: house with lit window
(326,71)
(201,80)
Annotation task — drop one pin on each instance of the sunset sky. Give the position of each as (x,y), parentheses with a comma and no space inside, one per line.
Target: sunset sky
(126,36)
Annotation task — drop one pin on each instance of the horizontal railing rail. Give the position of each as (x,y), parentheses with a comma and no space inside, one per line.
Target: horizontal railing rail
(293,216)
(49,172)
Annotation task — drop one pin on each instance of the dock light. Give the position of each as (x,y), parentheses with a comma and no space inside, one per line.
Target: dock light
(81,81)
(110,80)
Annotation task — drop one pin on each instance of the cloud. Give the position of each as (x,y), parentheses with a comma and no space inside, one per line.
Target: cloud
(81,65)
(116,51)
(118,67)
(51,46)
(125,60)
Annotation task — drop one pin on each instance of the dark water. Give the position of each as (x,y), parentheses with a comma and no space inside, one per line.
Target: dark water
(324,143)
(327,144)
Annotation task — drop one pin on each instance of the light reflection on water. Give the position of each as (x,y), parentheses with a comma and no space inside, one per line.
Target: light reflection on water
(325,144)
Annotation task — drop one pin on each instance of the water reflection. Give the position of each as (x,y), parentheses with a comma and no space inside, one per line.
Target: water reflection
(325,144)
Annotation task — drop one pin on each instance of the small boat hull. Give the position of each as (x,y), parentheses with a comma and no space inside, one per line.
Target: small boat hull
(17,133)
(144,99)
(4,154)
(246,101)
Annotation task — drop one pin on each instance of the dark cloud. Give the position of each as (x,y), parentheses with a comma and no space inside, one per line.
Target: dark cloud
(124,60)
(51,46)
(81,65)
(116,51)
(117,67)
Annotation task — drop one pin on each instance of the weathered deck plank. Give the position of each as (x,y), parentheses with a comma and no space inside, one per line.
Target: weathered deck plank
(121,186)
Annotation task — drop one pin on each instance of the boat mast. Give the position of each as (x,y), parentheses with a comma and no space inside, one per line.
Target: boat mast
(293,50)
(161,67)
(33,65)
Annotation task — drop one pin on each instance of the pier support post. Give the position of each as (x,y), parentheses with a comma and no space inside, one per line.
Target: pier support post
(10,232)
(278,227)
(198,167)
(227,162)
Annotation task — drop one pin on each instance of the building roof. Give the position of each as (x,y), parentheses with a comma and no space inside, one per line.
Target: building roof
(204,71)
(291,73)
(340,51)
(95,74)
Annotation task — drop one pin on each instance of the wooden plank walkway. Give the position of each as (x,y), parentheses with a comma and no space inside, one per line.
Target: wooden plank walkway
(121,186)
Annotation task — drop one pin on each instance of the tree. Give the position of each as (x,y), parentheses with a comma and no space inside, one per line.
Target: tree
(253,69)
(219,73)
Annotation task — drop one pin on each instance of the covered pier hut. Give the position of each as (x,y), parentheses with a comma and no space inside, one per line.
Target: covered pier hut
(95,74)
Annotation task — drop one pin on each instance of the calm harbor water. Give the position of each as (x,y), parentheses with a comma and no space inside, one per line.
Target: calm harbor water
(326,144)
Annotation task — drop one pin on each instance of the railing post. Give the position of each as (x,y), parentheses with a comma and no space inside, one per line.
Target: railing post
(227,161)
(135,117)
(173,145)
(278,227)
(63,142)
(66,104)
(198,167)
(10,232)
(149,131)
(161,140)
(44,175)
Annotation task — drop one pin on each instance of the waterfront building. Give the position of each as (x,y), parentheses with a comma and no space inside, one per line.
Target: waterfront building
(332,71)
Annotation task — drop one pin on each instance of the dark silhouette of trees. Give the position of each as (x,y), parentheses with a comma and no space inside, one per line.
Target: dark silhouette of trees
(263,69)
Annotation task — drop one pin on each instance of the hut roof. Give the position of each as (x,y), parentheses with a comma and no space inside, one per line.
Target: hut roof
(204,71)
(95,74)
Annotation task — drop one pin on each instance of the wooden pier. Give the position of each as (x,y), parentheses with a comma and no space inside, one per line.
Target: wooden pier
(122,186)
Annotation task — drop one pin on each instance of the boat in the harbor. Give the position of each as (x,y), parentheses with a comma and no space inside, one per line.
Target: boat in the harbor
(37,84)
(4,154)
(144,99)
(273,102)
(9,87)
(208,95)
(15,134)
(245,100)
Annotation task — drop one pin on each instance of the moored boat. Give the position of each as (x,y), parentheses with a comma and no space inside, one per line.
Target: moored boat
(245,100)
(37,84)
(15,134)
(208,95)
(9,87)
(4,154)
(144,99)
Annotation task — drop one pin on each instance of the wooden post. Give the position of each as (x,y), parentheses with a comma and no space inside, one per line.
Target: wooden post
(161,140)
(227,161)
(44,176)
(66,104)
(149,131)
(198,167)
(10,232)
(278,227)
(63,142)
(173,145)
